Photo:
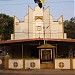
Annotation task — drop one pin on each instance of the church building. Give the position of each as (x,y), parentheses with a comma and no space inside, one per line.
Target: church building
(38,42)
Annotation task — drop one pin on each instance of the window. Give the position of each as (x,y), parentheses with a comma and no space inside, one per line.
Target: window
(39,28)
(46,54)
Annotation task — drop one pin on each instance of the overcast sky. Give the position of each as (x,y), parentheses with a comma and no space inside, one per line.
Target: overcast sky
(19,8)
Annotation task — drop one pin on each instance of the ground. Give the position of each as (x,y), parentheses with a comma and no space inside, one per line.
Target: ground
(37,72)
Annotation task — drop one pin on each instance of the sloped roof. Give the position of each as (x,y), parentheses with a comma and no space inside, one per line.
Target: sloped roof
(46,46)
(37,39)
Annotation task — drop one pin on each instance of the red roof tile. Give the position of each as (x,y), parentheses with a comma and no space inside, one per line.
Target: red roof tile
(36,39)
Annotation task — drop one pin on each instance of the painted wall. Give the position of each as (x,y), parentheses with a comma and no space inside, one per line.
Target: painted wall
(15,64)
(32,64)
(19,64)
(62,63)
(0,62)
(73,63)
(36,22)
(46,22)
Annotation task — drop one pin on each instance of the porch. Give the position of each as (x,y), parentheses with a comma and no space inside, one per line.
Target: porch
(29,50)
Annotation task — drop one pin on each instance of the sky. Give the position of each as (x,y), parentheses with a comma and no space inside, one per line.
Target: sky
(19,8)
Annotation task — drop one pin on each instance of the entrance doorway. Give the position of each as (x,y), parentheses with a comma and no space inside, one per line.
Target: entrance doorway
(46,54)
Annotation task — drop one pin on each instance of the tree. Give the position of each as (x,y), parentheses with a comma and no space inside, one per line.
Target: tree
(70,27)
(6,26)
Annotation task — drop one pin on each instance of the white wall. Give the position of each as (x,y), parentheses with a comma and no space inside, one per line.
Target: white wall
(73,60)
(28,28)
(62,63)
(39,33)
(37,22)
(12,36)
(32,64)
(12,65)
(29,64)
(56,30)
(46,22)
(30,22)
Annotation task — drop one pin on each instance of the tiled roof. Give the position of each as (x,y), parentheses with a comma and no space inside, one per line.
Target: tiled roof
(36,39)
(46,46)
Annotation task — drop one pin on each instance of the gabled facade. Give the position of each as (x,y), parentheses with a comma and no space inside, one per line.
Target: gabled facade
(38,23)
(43,45)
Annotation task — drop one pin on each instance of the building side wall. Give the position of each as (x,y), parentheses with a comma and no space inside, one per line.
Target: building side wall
(38,21)
(51,19)
(57,29)
(21,28)
(39,33)
(30,23)
(26,27)
(16,26)
(54,30)
(20,31)
(46,22)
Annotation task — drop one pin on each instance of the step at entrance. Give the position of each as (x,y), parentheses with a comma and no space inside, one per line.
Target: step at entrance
(47,65)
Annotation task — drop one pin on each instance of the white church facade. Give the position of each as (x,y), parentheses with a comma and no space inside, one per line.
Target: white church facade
(27,49)
(38,23)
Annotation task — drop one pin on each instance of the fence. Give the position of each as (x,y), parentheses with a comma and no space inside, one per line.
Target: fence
(65,63)
(24,64)
(60,63)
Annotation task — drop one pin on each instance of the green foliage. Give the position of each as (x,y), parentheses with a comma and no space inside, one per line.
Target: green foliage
(6,26)
(70,27)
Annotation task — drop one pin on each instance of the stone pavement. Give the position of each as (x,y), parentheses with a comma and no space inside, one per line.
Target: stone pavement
(41,72)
